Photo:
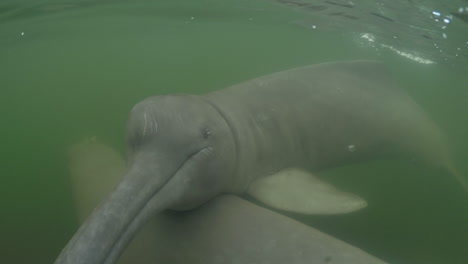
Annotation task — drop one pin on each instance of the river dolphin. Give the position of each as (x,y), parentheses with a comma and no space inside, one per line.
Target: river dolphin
(227,229)
(266,137)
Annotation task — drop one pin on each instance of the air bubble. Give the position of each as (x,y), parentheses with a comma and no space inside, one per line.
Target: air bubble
(435,14)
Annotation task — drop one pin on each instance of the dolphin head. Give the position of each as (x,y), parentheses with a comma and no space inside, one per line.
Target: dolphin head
(180,154)
(180,142)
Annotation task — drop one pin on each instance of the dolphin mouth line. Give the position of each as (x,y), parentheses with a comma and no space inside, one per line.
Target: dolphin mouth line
(138,214)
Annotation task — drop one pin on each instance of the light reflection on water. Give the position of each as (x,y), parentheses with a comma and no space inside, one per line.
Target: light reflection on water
(434,31)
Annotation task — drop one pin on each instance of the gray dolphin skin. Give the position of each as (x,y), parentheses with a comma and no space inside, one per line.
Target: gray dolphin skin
(227,229)
(265,137)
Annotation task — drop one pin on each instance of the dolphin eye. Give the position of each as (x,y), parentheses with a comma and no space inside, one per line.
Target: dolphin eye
(207,133)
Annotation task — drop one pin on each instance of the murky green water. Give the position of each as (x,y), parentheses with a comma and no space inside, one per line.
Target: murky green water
(72,69)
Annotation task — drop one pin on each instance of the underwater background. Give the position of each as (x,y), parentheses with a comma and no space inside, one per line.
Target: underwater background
(73,69)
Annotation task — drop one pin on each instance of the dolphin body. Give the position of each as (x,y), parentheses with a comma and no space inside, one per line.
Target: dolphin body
(265,137)
(227,229)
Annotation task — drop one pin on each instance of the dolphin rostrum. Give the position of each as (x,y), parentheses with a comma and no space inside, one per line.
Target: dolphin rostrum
(227,229)
(265,137)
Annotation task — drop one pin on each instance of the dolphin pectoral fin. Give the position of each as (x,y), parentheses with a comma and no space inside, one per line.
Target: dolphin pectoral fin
(299,191)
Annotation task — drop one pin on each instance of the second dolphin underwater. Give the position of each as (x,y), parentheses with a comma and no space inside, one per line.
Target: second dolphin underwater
(265,137)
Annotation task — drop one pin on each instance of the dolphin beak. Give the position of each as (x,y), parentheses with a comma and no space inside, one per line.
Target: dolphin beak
(145,190)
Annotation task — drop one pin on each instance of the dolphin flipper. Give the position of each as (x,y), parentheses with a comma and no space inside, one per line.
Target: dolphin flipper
(298,191)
